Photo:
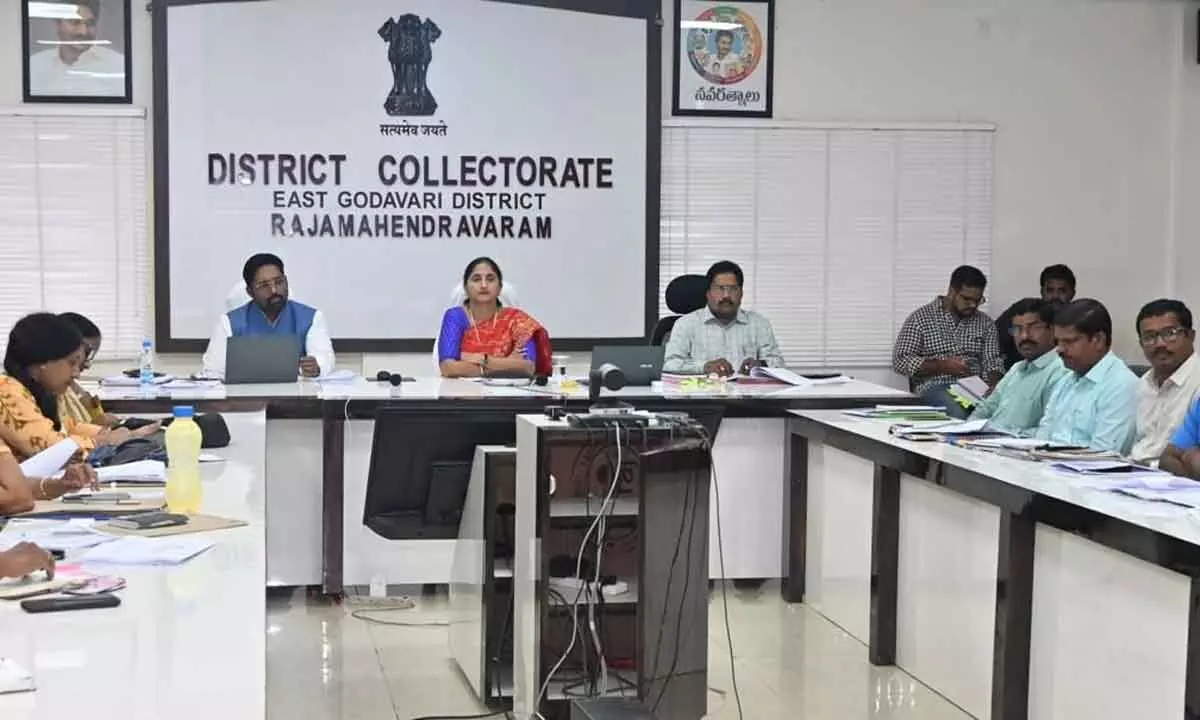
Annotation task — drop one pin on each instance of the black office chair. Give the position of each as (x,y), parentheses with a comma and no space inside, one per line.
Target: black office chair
(1139,370)
(684,294)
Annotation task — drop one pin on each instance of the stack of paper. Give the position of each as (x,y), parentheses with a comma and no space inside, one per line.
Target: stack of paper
(64,535)
(142,472)
(950,429)
(902,413)
(1004,443)
(784,375)
(126,381)
(133,550)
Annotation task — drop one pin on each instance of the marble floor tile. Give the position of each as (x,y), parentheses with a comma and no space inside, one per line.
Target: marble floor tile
(792,664)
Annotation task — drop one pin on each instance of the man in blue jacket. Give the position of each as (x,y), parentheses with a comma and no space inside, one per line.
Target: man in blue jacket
(270,312)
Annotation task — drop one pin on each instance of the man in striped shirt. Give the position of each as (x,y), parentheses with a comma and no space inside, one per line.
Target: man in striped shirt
(712,339)
(948,339)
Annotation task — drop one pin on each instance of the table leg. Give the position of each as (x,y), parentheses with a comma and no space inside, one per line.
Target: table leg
(795,518)
(333,464)
(885,562)
(1014,616)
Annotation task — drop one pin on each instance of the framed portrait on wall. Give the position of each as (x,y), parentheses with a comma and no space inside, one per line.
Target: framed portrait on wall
(723,58)
(76,52)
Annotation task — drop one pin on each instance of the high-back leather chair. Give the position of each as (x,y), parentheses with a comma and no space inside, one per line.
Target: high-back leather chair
(685,294)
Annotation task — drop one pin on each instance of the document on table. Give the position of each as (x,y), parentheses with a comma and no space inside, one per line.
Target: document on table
(65,535)
(14,678)
(126,381)
(1006,443)
(141,472)
(133,550)
(784,375)
(954,428)
(50,461)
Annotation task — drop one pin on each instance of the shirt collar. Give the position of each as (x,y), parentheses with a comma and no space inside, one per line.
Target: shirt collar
(1042,361)
(1101,369)
(1178,378)
(741,318)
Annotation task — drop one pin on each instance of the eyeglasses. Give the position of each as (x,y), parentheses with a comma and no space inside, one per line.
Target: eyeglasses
(1016,330)
(1167,335)
(725,289)
(272,284)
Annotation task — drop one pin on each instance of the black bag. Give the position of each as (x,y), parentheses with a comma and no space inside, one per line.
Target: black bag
(214,432)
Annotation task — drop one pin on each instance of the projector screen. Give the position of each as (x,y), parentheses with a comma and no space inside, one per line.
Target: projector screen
(377,148)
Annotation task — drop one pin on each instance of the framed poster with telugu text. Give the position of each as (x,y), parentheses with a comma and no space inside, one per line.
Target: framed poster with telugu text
(723,58)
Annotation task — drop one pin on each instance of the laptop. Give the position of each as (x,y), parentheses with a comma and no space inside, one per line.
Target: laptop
(641,364)
(262,359)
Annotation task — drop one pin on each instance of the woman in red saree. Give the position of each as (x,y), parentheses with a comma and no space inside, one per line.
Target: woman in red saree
(481,336)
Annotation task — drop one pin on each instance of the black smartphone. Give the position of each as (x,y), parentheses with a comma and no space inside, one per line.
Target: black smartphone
(61,604)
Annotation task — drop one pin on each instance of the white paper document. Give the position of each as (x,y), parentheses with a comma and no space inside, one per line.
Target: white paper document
(14,678)
(949,429)
(142,472)
(787,376)
(50,461)
(147,551)
(1006,443)
(126,381)
(65,535)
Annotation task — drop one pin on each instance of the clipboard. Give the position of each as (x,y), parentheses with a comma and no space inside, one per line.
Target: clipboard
(195,524)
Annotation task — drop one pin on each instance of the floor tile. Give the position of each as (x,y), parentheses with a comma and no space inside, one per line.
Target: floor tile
(792,664)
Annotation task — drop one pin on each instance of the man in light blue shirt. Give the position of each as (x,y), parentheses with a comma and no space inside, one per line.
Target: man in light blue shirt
(713,338)
(1095,405)
(1018,402)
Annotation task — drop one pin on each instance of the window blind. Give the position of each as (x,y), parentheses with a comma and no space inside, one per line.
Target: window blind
(74,237)
(841,232)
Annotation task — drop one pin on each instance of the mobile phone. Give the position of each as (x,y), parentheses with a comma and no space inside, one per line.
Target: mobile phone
(61,604)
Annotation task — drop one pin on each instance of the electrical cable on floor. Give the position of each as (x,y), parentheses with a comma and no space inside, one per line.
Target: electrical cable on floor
(605,508)
(737,694)
(365,615)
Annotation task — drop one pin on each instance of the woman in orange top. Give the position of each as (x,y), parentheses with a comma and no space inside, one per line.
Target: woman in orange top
(42,361)
(482,336)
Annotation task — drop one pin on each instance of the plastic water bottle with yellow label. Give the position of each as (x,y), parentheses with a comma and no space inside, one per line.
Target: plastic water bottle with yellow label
(184,492)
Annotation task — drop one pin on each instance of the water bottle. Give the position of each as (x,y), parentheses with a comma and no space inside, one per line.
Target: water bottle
(184,492)
(146,368)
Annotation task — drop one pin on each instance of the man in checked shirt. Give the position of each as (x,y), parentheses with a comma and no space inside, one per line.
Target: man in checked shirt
(949,339)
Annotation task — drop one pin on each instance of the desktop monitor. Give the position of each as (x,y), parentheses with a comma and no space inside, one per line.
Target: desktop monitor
(421,466)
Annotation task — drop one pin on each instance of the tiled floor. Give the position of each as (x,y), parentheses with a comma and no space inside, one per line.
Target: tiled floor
(791,663)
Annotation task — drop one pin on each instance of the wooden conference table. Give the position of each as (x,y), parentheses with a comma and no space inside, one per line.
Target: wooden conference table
(1012,590)
(316,535)
(187,643)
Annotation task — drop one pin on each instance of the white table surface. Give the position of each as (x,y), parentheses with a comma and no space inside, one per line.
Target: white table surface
(435,388)
(1171,520)
(187,642)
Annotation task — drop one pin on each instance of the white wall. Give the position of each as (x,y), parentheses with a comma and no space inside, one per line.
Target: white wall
(1081,92)
(1095,165)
